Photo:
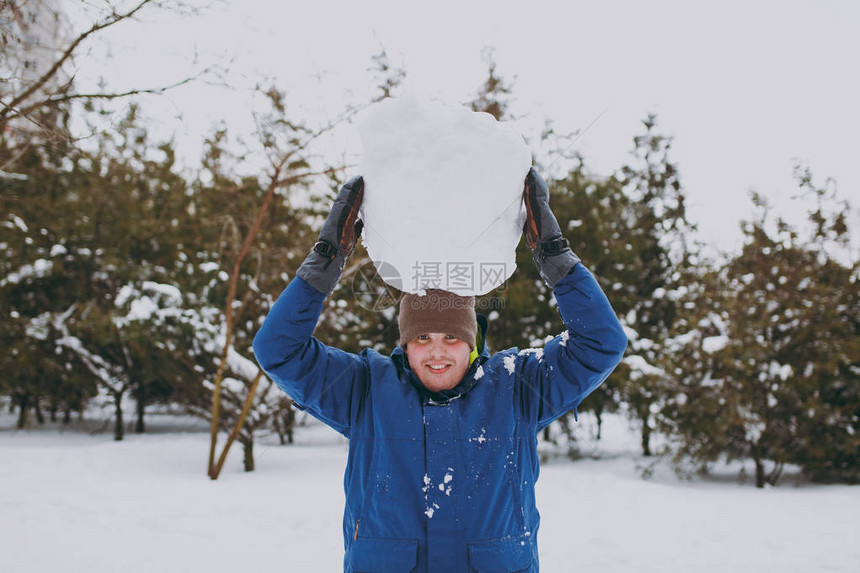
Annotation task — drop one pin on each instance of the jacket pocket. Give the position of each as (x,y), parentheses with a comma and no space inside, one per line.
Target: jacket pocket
(505,555)
(369,555)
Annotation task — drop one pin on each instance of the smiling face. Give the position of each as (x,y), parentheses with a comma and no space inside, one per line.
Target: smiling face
(439,360)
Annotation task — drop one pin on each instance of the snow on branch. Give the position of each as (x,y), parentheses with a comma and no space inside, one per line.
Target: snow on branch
(108,374)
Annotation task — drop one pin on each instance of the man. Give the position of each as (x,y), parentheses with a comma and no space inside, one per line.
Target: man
(442,436)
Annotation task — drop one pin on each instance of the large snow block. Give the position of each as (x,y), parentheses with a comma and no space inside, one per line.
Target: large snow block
(443,195)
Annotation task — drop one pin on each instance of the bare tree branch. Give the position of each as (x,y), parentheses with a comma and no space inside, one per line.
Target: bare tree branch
(105,96)
(275,181)
(246,407)
(115,17)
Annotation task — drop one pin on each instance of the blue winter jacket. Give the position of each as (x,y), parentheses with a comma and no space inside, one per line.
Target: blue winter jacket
(441,482)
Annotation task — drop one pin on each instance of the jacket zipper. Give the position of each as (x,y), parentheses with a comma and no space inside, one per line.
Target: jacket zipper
(355,537)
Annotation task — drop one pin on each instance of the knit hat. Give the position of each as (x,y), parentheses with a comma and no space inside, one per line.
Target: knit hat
(438,311)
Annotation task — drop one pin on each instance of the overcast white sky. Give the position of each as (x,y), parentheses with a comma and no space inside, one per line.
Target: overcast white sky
(744,88)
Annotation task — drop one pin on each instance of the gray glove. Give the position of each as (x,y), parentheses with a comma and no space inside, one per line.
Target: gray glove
(340,232)
(550,250)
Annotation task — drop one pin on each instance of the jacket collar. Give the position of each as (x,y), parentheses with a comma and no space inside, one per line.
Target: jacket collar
(467,383)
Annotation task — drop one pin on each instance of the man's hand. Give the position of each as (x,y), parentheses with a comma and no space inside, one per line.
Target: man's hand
(338,237)
(342,227)
(550,250)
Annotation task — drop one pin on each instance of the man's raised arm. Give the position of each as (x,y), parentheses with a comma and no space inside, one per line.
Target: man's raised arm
(326,381)
(574,363)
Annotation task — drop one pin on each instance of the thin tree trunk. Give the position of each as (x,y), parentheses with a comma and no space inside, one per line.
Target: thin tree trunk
(117,427)
(39,416)
(248,453)
(290,423)
(228,312)
(599,415)
(280,426)
(274,183)
(774,475)
(24,405)
(140,428)
(646,439)
(760,478)
(67,416)
(759,474)
(246,407)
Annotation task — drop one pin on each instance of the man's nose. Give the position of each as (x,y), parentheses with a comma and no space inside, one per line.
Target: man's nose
(436,349)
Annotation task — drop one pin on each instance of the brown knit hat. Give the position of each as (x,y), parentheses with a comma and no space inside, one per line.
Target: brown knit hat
(438,311)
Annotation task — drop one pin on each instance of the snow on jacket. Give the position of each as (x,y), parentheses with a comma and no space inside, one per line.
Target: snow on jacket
(441,482)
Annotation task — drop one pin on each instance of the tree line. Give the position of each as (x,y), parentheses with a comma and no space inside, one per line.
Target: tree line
(127,280)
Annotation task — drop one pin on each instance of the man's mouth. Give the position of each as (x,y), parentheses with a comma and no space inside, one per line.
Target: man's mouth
(438,367)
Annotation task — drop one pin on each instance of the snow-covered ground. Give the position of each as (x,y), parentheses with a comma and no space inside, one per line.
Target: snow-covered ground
(73,502)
